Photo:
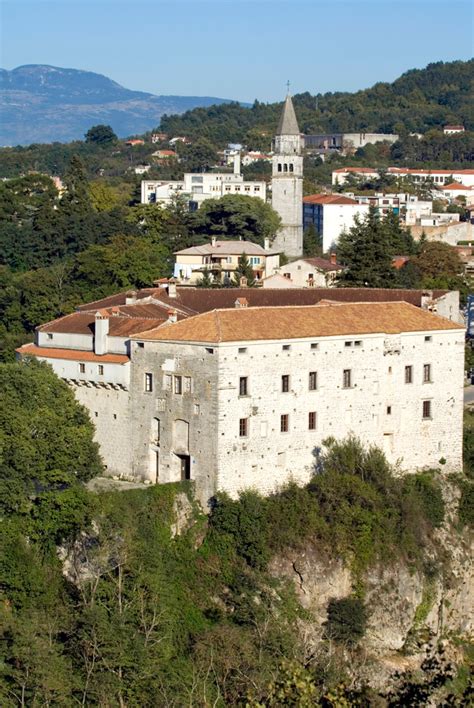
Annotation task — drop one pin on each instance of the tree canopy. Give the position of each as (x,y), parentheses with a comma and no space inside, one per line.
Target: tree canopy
(101,135)
(236,216)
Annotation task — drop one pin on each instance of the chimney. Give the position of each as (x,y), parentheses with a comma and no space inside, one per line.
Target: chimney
(266,244)
(237,163)
(131,297)
(172,288)
(172,316)
(213,241)
(333,259)
(101,332)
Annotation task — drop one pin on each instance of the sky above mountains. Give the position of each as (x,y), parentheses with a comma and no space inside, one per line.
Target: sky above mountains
(242,49)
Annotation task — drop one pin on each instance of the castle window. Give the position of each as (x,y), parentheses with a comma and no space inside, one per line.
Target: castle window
(284,423)
(313,380)
(285,167)
(314,345)
(167,381)
(286,347)
(242,350)
(101,370)
(285,383)
(178,384)
(426,410)
(243,427)
(347,378)
(389,410)
(279,167)
(187,384)
(82,368)
(148,383)
(243,386)
(426,373)
(312,420)
(408,374)
(428,338)
(358,343)
(291,167)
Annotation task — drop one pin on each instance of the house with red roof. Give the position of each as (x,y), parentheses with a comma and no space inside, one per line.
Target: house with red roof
(331,214)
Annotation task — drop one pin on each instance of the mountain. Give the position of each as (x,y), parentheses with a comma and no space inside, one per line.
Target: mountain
(40,103)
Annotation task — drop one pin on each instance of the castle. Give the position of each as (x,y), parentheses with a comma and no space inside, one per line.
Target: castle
(238,388)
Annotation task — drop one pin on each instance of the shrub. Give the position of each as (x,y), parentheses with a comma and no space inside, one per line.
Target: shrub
(466,503)
(425,490)
(347,620)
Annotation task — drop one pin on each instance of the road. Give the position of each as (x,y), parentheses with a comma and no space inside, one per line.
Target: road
(469,395)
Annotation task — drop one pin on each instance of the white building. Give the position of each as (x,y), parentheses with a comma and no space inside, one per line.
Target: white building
(453,129)
(346,142)
(199,187)
(312,272)
(287,182)
(454,190)
(241,397)
(438,177)
(221,258)
(331,214)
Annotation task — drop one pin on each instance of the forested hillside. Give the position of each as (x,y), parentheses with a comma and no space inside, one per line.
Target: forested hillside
(419,100)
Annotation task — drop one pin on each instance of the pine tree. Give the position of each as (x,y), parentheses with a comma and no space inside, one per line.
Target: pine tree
(244,270)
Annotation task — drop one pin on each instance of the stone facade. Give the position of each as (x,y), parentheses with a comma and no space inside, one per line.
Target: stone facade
(287,183)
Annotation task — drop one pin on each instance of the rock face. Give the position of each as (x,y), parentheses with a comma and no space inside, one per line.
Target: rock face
(44,104)
(409,613)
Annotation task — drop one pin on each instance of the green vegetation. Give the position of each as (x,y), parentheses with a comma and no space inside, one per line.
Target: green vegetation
(141,617)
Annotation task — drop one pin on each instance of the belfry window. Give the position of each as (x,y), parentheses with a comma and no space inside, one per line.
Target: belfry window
(285,167)
(291,167)
(279,167)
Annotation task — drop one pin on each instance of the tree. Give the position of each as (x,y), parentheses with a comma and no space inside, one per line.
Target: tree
(438,260)
(367,254)
(205,281)
(237,217)
(244,270)
(200,156)
(312,242)
(101,135)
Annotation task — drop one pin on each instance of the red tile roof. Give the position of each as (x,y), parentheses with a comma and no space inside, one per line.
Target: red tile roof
(323,320)
(84,323)
(323,264)
(73,354)
(328,199)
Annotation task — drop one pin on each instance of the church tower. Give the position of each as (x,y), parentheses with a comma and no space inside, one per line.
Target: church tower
(287,182)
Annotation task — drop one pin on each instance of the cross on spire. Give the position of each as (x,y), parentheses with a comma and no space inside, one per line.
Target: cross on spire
(288,87)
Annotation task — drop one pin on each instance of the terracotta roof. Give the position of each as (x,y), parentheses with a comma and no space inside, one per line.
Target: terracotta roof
(456,186)
(84,323)
(323,264)
(328,199)
(453,127)
(253,324)
(74,354)
(196,300)
(403,170)
(226,248)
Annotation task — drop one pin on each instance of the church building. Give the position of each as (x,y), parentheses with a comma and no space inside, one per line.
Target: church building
(287,182)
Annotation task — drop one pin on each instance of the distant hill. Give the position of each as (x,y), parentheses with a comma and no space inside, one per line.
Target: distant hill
(417,101)
(42,104)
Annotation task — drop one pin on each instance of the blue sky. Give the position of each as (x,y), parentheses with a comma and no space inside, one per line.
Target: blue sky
(242,49)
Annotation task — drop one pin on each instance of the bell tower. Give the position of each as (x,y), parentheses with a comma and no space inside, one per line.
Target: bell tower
(287,182)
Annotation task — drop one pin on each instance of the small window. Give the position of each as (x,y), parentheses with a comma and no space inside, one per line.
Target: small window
(148,383)
(408,374)
(358,343)
(101,370)
(243,386)
(428,338)
(389,410)
(347,378)
(348,344)
(426,373)
(50,336)
(178,384)
(197,408)
(291,166)
(82,368)
(187,384)
(286,347)
(426,410)
(314,345)
(285,383)
(115,416)
(312,420)
(287,275)
(284,423)
(167,381)
(243,427)
(209,350)
(141,345)
(242,350)
(156,429)
(96,414)
(313,380)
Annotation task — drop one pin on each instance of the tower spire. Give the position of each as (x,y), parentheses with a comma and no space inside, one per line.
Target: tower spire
(288,124)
